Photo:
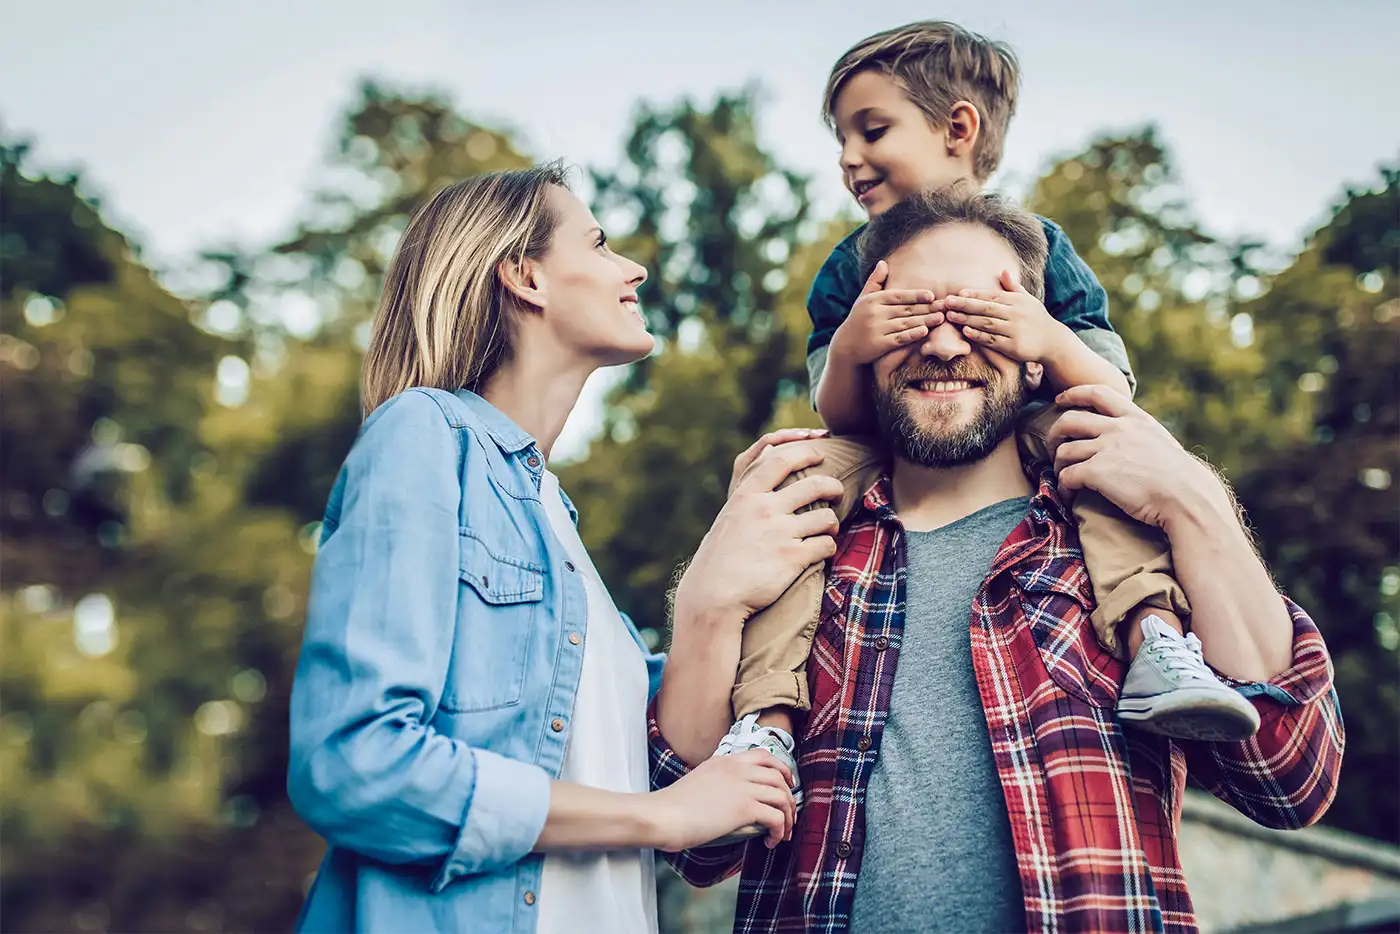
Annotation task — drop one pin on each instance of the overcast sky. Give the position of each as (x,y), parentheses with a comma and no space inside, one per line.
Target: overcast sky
(202,122)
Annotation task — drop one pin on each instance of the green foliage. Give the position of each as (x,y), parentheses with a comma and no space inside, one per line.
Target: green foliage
(716,222)
(144,777)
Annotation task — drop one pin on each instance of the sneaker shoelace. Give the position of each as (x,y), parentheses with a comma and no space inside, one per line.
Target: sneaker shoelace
(1179,656)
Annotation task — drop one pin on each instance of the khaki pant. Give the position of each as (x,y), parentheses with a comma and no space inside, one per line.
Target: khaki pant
(1129,565)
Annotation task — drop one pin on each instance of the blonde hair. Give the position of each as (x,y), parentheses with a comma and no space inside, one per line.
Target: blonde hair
(444,318)
(937,64)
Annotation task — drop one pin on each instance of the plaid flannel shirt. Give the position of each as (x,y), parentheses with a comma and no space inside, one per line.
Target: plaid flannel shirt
(1094,808)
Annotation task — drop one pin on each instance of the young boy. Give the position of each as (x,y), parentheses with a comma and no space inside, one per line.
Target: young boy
(926,106)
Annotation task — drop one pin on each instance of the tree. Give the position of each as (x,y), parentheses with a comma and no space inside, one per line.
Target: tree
(716,220)
(1323,504)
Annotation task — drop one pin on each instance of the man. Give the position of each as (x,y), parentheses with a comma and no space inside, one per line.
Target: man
(963,766)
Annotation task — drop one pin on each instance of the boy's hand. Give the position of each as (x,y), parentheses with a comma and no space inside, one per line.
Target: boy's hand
(881,321)
(1011,322)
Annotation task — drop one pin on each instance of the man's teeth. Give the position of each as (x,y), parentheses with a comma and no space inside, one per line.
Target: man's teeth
(943,385)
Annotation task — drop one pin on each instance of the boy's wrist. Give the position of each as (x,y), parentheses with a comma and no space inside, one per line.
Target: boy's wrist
(837,350)
(1065,357)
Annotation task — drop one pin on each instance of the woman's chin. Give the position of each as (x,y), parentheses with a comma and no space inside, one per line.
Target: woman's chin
(630,351)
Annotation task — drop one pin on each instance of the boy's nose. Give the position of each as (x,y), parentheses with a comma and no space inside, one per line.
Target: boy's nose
(849,158)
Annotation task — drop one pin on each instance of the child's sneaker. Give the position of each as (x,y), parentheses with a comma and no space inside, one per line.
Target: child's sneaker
(1169,690)
(747,734)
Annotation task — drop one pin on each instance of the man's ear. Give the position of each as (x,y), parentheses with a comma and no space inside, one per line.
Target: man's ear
(964,127)
(523,281)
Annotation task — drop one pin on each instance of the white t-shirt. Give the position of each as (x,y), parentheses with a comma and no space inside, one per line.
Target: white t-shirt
(604,892)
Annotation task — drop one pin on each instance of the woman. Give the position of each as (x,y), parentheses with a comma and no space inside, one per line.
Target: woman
(468,722)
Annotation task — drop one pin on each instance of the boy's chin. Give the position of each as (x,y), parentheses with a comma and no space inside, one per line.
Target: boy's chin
(878,206)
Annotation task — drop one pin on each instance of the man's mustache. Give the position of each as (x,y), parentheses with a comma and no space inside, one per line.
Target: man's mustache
(939,371)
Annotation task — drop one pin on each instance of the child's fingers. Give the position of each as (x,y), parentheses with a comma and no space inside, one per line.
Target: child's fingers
(906,297)
(976,306)
(986,295)
(906,336)
(980,322)
(998,342)
(878,275)
(1010,282)
(905,316)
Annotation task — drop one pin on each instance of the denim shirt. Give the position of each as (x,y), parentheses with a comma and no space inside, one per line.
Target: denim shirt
(1073,296)
(436,683)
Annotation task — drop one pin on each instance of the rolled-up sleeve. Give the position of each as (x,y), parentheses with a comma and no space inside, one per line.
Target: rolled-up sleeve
(367,770)
(700,867)
(1285,776)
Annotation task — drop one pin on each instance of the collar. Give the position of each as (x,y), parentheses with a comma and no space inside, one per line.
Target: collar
(1042,554)
(509,437)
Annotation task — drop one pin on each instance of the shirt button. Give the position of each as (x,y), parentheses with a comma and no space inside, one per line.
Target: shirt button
(556,725)
(568,565)
(881,643)
(529,898)
(863,743)
(843,850)
(574,638)
(485,581)
(532,461)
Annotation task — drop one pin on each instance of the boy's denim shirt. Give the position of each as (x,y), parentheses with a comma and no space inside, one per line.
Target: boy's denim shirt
(433,698)
(1072,294)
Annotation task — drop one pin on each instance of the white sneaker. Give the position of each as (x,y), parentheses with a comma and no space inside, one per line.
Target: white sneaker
(1169,690)
(748,734)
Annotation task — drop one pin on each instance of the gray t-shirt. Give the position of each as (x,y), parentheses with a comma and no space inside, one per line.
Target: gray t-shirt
(938,849)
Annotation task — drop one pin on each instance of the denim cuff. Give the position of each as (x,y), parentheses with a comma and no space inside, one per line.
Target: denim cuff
(505,816)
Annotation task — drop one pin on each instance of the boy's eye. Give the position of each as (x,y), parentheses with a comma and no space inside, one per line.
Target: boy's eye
(872,133)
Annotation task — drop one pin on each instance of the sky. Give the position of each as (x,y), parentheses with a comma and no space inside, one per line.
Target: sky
(200,123)
(204,123)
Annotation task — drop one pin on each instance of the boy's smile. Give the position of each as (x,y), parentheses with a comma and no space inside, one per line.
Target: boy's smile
(889,149)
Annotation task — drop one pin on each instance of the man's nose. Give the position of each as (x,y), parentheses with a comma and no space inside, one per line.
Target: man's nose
(946,342)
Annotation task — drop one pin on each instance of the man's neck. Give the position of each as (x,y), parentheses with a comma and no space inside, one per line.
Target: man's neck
(928,498)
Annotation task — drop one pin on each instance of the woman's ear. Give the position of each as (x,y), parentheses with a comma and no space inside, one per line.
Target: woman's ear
(523,281)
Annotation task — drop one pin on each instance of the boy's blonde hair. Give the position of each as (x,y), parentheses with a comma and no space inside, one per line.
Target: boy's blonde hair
(937,64)
(444,319)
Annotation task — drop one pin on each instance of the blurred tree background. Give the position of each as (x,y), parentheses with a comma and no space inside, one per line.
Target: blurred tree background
(166,460)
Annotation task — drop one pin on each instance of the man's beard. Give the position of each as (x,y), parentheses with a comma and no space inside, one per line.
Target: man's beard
(922,432)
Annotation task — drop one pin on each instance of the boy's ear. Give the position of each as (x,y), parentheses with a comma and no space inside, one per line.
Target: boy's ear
(523,281)
(964,126)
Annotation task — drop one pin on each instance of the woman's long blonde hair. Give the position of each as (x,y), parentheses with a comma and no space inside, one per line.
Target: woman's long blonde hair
(443,320)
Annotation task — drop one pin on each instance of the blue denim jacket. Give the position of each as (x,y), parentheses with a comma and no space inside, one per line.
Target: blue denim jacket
(434,693)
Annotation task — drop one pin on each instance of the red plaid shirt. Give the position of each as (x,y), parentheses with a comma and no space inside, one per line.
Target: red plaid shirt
(1094,808)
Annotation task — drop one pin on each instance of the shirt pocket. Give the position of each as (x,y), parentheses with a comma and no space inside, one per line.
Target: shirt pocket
(1065,639)
(498,604)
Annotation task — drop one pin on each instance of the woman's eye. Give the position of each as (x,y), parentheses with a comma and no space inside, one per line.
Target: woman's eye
(875,132)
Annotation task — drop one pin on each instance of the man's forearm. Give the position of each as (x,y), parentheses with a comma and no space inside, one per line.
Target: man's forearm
(843,396)
(693,707)
(1236,611)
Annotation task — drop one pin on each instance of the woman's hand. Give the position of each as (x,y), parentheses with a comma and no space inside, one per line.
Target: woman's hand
(722,795)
